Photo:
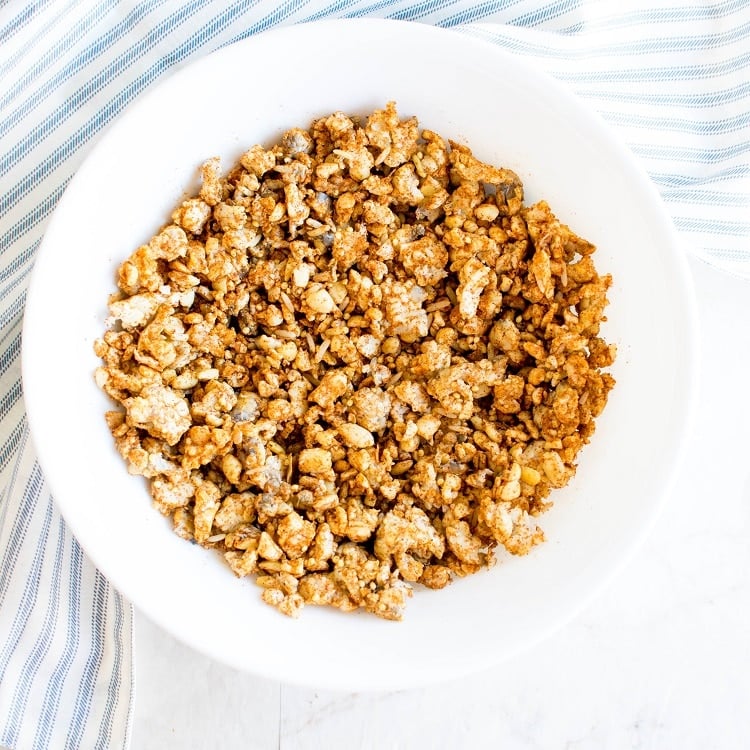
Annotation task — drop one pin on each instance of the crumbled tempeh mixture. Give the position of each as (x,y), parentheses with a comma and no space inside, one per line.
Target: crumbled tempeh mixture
(357,362)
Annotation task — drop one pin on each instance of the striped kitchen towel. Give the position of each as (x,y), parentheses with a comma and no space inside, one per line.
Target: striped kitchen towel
(672,77)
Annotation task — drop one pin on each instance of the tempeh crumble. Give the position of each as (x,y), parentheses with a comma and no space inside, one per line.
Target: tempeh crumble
(356,362)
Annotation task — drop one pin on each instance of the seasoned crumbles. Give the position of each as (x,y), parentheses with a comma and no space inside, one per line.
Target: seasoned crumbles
(357,362)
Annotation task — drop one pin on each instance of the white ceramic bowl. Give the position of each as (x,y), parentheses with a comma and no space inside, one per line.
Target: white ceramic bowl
(510,114)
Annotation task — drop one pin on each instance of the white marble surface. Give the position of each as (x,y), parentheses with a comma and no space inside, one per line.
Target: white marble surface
(660,660)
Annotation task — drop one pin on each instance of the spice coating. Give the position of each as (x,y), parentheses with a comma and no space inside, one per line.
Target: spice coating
(357,362)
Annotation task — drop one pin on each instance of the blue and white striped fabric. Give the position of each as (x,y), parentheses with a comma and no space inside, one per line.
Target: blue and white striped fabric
(673,77)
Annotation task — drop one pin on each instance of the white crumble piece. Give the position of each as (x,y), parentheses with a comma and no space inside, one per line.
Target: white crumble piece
(137,310)
(356,363)
(192,215)
(404,310)
(159,411)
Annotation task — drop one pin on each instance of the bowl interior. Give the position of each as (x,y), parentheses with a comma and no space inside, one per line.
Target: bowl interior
(510,115)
